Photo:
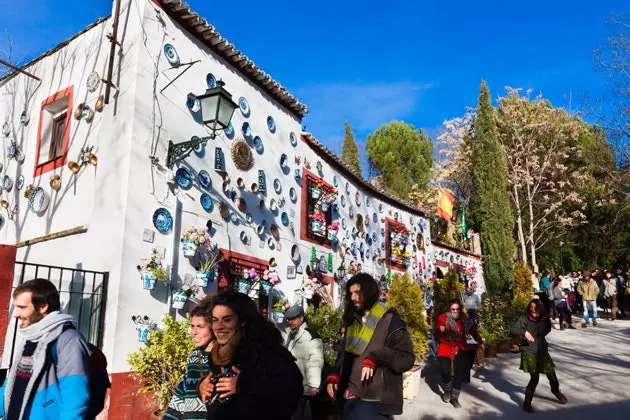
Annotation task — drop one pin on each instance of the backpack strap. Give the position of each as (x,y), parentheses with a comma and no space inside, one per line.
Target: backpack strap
(53,347)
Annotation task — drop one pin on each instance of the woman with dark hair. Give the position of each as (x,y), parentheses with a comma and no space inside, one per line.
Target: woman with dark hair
(533,326)
(377,350)
(252,376)
(560,303)
(455,354)
(185,403)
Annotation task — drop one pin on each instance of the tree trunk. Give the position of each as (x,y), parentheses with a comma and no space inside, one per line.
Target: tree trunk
(519,225)
(532,245)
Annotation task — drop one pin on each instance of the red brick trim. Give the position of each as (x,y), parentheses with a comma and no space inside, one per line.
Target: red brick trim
(7,271)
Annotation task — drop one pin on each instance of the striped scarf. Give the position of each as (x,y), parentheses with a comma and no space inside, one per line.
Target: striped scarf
(359,334)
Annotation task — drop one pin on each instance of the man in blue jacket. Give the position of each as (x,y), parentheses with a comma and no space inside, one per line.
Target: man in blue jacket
(38,387)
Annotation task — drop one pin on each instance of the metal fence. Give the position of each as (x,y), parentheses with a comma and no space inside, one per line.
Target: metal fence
(82,292)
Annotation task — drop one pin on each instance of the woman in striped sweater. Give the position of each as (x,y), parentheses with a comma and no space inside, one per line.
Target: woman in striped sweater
(185,403)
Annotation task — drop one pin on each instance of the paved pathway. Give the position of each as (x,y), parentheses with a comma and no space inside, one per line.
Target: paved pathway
(593,366)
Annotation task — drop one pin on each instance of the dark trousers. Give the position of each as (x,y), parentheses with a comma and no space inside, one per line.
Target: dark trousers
(303,411)
(355,409)
(621,301)
(553,381)
(462,365)
(565,314)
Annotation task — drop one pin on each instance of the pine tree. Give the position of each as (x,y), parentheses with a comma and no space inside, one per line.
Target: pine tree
(350,151)
(490,201)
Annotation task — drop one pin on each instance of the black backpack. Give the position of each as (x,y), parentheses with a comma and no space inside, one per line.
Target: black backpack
(98,376)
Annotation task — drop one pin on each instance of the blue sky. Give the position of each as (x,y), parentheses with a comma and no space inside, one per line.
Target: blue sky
(371,62)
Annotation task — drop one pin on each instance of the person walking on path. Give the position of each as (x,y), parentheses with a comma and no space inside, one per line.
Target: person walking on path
(368,375)
(307,348)
(561,304)
(185,403)
(589,290)
(610,294)
(472,303)
(622,289)
(37,387)
(455,354)
(252,376)
(543,289)
(533,327)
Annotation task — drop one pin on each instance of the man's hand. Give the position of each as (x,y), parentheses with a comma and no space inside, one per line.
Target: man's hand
(332,390)
(529,337)
(366,373)
(206,388)
(311,391)
(228,386)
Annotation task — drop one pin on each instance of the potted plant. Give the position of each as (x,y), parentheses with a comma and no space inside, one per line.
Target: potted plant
(180,296)
(316,189)
(269,280)
(309,287)
(318,221)
(152,270)
(278,309)
(205,272)
(144,325)
(406,258)
(333,229)
(247,280)
(192,238)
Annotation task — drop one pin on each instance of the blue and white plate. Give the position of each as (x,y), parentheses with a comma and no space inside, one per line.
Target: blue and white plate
(244,106)
(283,160)
(162,220)
(192,102)
(292,194)
(367,202)
(271,124)
(343,223)
(229,130)
(203,177)
(343,201)
(335,181)
(38,203)
(285,218)
(396,216)
(200,149)
(234,218)
(206,202)
(171,55)
(247,130)
(380,208)
(277,186)
(383,231)
(375,217)
(211,81)
(293,139)
(374,236)
(258,145)
(351,212)
(184,178)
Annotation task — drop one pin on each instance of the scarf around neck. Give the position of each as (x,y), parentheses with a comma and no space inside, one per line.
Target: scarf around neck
(222,355)
(43,332)
(359,334)
(452,328)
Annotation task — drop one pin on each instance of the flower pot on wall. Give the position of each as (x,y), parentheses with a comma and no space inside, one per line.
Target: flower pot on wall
(316,193)
(332,235)
(148,280)
(202,278)
(179,299)
(278,316)
(244,286)
(324,206)
(266,287)
(317,226)
(189,248)
(143,332)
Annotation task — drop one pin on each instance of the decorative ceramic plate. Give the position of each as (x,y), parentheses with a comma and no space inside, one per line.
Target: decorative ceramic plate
(200,149)
(38,201)
(375,217)
(285,218)
(6,130)
(20,182)
(283,160)
(396,216)
(348,187)
(351,212)
(374,236)
(206,202)
(367,202)
(343,223)
(24,117)
(234,218)
(7,183)
(272,205)
(244,106)
(93,81)
(171,55)
(271,243)
(383,246)
(271,124)
(335,181)
(292,194)
(203,177)
(247,130)
(293,139)
(249,217)
(367,221)
(383,231)
(229,130)
(261,228)
(380,208)
(184,178)
(192,102)
(258,145)
(211,81)
(162,220)
(357,199)
(277,186)
(343,201)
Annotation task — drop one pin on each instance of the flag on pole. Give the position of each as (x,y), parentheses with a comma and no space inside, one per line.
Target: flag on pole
(445,204)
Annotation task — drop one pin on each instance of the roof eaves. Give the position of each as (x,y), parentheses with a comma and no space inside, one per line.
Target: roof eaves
(327,154)
(207,34)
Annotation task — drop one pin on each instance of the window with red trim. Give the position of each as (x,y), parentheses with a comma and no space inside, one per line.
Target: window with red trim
(398,246)
(53,131)
(319,209)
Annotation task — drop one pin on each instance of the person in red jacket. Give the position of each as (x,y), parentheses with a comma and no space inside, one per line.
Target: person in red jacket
(454,353)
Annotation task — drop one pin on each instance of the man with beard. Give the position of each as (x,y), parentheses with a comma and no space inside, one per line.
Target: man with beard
(367,378)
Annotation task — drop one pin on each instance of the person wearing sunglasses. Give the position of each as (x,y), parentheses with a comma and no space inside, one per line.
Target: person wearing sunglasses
(455,354)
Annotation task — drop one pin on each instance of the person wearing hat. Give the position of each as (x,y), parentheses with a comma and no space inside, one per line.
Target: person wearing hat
(307,348)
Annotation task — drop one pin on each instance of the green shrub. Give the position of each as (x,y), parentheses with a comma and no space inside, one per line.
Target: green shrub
(326,321)
(497,315)
(406,297)
(161,364)
(522,287)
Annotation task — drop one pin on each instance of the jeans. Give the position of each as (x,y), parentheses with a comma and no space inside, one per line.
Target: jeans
(355,409)
(588,307)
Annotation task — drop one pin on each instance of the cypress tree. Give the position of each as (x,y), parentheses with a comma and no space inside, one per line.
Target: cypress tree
(490,200)
(350,151)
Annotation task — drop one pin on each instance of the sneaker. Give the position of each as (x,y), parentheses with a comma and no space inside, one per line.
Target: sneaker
(583,324)
(594,323)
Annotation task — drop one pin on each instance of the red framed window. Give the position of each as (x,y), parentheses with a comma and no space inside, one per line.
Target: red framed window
(397,245)
(53,131)
(317,214)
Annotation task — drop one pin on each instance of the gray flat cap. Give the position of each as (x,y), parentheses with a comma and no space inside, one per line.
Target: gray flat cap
(294,312)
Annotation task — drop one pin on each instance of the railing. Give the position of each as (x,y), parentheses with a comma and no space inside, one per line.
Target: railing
(83,294)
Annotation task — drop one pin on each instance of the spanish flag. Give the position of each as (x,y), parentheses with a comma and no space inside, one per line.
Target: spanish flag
(445,204)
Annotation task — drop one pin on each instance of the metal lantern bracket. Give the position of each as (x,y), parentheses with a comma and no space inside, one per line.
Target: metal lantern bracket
(180,151)
(187,65)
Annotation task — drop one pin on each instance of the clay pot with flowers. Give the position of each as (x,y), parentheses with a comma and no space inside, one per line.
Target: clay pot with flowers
(318,221)
(269,280)
(194,237)
(152,270)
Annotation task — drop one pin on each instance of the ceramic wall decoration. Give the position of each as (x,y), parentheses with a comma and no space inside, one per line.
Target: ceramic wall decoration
(273,206)
(24,118)
(285,218)
(171,55)
(234,218)
(335,181)
(271,124)
(283,160)
(229,131)
(320,167)
(277,186)
(261,228)
(203,177)
(357,199)
(262,181)
(162,220)
(240,183)
(351,212)
(293,194)
(7,183)
(100,103)
(348,187)
(93,81)
(293,139)
(275,231)
(38,203)
(206,202)
(244,237)
(6,129)
(20,182)
(244,106)
(271,243)
(184,178)
(246,129)
(224,211)
(368,202)
(241,204)
(380,208)
(211,81)
(343,201)
(254,187)
(55,182)
(258,145)
(242,155)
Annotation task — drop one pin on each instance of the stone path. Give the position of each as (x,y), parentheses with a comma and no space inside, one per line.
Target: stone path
(593,366)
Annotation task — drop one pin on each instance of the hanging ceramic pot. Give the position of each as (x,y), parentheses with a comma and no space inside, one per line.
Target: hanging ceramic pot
(189,248)
(179,298)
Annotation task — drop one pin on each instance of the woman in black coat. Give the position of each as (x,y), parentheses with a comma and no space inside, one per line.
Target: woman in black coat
(535,359)
(253,377)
